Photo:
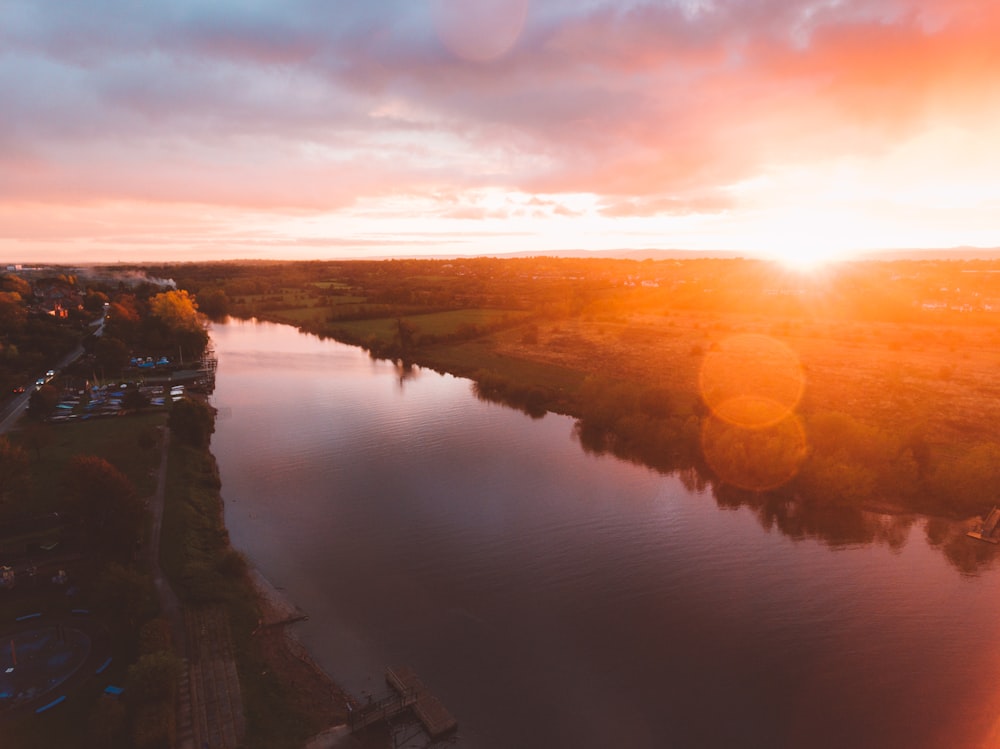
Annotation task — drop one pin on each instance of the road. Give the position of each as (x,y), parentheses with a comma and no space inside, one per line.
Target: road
(13,410)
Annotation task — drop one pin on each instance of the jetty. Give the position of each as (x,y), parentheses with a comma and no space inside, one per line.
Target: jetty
(987,527)
(409,694)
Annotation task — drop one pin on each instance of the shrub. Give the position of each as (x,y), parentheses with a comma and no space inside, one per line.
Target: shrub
(154,677)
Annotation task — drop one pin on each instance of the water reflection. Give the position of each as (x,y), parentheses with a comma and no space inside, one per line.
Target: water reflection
(553,596)
(783,509)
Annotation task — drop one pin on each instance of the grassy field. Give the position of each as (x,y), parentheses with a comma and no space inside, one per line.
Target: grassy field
(438,324)
(941,379)
(127,442)
(118,440)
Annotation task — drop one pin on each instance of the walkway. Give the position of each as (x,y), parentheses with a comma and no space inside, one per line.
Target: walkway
(209,700)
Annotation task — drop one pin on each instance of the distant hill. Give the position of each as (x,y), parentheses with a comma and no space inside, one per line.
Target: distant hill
(941,253)
(944,253)
(632,254)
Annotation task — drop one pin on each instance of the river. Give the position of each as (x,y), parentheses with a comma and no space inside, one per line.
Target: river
(551,597)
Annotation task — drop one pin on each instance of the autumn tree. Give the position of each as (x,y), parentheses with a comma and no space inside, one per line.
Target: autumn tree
(176,309)
(178,314)
(16,284)
(43,401)
(123,319)
(106,501)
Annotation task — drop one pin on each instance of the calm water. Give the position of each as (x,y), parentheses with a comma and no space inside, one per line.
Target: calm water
(554,598)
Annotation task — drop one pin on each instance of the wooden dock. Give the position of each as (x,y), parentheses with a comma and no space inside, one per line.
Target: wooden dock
(385,709)
(988,527)
(409,693)
(436,719)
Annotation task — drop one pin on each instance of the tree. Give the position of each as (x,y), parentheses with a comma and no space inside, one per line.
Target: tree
(16,284)
(154,676)
(177,310)
(43,401)
(123,596)
(95,301)
(106,501)
(405,334)
(123,319)
(106,724)
(13,313)
(214,303)
(134,399)
(111,354)
(193,422)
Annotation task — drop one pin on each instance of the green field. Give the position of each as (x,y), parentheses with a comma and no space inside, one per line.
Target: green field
(446,323)
(127,442)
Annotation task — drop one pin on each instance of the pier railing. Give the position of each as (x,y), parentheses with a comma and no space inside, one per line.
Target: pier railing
(384,709)
(409,693)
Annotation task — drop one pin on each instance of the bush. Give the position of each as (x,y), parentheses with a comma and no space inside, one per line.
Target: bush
(154,726)
(232,564)
(154,636)
(193,422)
(154,677)
(106,725)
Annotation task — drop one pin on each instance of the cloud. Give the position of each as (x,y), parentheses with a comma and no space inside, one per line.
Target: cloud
(656,108)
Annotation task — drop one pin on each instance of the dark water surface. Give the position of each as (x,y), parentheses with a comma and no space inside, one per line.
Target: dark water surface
(553,598)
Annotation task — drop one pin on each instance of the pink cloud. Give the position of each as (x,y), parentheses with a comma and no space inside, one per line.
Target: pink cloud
(304,107)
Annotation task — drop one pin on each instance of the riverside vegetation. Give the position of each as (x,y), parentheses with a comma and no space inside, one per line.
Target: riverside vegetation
(95,473)
(894,362)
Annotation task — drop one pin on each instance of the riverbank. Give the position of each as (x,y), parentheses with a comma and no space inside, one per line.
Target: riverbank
(286,698)
(311,690)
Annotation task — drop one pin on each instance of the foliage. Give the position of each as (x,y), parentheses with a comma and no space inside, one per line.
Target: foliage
(106,501)
(154,726)
(134,399)
(962,484)
(154,636)
(176,309)
(192,422)
(195,537)
(43,401)
(154,677)
(213,303)
(111,354)
(106,724)
(491,386)
(123,596)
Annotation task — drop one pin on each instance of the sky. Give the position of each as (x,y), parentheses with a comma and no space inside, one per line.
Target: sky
(133,130)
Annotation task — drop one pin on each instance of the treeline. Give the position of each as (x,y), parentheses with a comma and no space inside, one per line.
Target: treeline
(30,337)
(834,461)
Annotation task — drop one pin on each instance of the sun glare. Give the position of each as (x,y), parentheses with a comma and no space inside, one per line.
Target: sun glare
(805,262)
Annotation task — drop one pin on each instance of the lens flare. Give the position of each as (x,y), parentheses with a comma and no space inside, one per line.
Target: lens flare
(751,381)
(479,30)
